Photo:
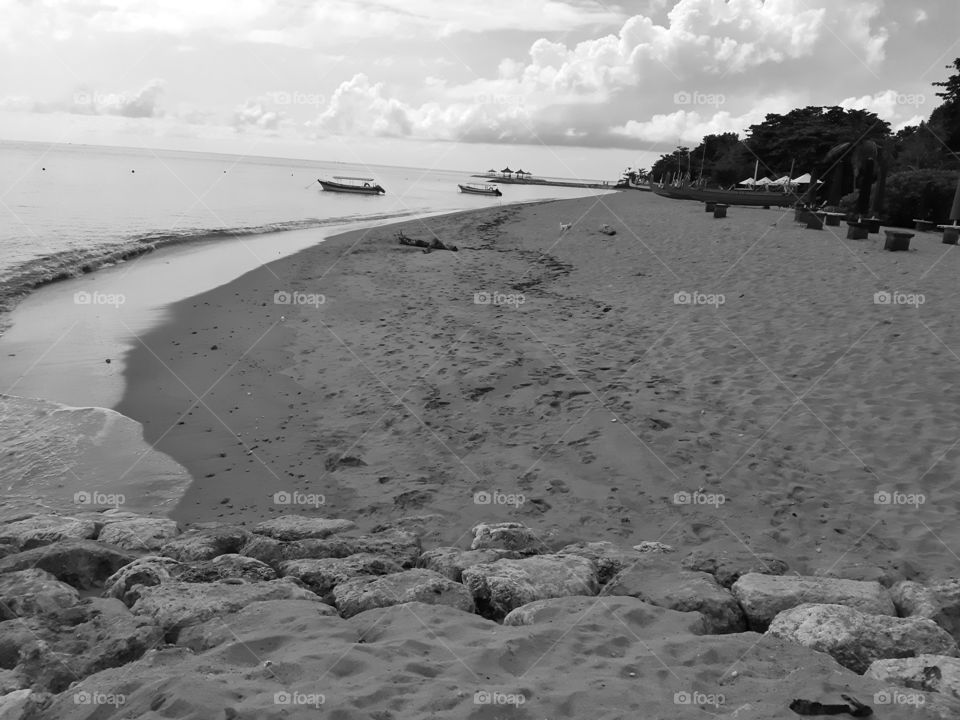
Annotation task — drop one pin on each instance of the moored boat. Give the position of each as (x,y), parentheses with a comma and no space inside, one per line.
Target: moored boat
(363,186)
(477,189)
(754,198)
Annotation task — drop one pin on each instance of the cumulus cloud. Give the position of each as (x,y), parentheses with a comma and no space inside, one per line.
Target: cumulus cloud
(144,103)
(897,108)
(256,114)
(691,126)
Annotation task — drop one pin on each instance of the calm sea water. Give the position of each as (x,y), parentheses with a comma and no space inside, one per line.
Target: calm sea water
(68,209)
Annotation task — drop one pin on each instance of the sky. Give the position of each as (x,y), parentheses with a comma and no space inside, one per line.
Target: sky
(569,88)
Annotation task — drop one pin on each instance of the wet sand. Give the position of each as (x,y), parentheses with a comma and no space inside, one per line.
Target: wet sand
(800,403)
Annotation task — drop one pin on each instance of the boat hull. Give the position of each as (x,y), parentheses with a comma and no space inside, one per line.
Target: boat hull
(752,198)
(476,191)
(330,186)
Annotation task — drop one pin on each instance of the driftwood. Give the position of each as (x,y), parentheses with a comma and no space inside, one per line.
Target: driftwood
(434,244)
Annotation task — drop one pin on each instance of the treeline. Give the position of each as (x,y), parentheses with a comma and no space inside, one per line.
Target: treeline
(801,141)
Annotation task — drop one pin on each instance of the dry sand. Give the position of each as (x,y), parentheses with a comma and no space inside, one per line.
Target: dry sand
(597,399)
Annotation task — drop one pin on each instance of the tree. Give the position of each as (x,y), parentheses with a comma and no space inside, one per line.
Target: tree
(804,136)
(945,118)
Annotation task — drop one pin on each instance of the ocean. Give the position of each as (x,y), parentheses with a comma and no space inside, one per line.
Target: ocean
(69,210)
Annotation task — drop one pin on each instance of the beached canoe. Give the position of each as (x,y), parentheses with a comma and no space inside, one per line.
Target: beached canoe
(755,198)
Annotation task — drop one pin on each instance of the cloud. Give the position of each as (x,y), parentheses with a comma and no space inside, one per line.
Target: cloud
(304,24)
(255,114)
(690,126)
(359,107)
(899,109)
(144,103)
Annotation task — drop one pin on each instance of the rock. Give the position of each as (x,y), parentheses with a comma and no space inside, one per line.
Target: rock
(144,534)
(609,558)
(652,546)
(727,568)
(501,586)
(46,529)
(366,593)
(84,564)
(567,611)
(855,639)
(266,616)
(33,592)
(176,605)
(663,584)
(16,705)
(763,596)
(938,600)
(146,571)
(855,570)
(425,527)
(506,536)
(929,673)
(451,561)
(322,575)
(301,527)
(205,544)
(401,547)
(228,567)
(94,636)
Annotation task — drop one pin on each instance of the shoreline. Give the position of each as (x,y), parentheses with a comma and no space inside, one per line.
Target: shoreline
(598,400)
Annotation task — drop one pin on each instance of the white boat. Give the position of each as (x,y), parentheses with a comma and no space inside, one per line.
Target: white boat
(477,189)
(363,186)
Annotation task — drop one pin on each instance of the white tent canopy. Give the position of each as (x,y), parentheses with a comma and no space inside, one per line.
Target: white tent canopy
(764,181)
(748,181)
(780,180)
(802,180)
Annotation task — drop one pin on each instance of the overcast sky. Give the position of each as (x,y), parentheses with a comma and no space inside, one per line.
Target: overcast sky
(562,87)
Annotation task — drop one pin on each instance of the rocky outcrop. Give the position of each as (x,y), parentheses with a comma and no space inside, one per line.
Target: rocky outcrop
(266,618)
(505,585)
(146,572)
(938,600)
(42,530)
(50,653)
(176,605)
(506,536)
(141,534)
(928,673)
(452,561)
(34,592)
(660,582)
(401,547)
(426,586)
(322,575)
(763,596)
(728,567)
(565,611)
(856,639)
(302,527)
(84,564)
(232,567)
(205,543)
(610,559)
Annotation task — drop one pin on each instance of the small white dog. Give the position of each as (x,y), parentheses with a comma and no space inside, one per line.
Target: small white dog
(565,226)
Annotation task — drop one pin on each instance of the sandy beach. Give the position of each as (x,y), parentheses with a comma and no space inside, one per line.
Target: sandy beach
(799,417)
